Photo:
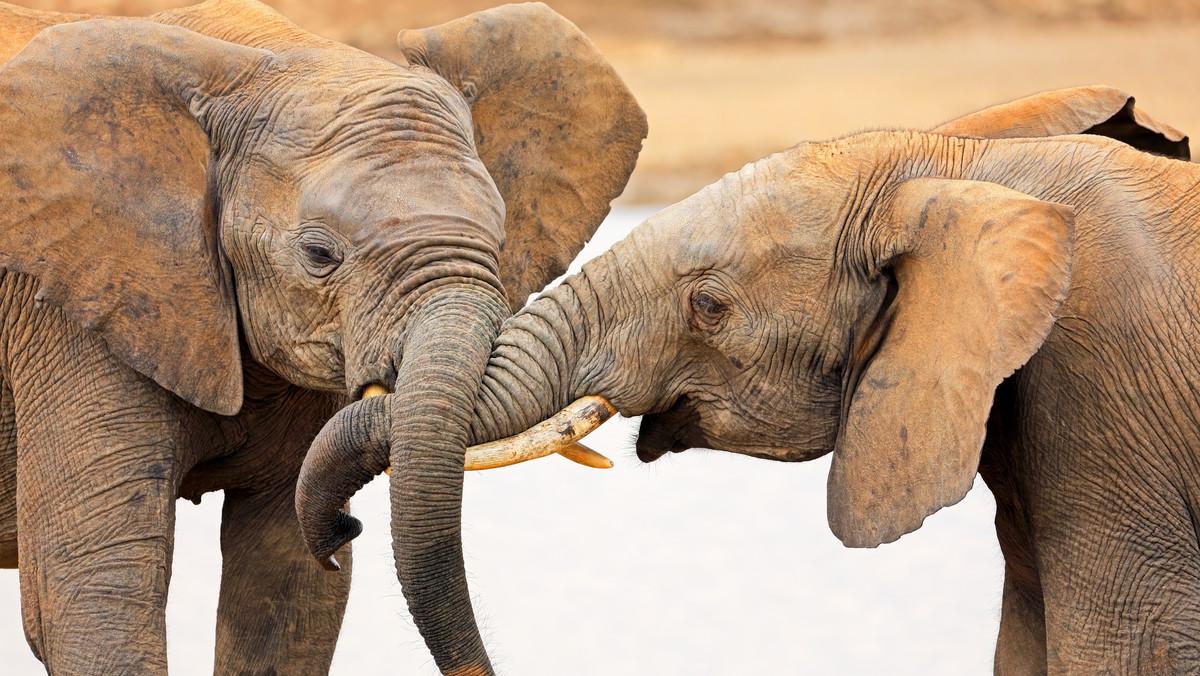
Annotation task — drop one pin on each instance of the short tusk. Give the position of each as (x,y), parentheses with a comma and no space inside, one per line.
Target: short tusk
(374,390)
(583,455)
(556,434)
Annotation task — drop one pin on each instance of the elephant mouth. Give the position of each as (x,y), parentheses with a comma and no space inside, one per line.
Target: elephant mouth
(675,430)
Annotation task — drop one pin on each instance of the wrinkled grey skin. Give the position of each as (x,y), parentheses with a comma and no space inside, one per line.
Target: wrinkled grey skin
(210,238)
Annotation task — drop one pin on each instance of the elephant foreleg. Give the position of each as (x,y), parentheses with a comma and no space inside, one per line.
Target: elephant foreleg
(279,612)
(1021,646)
(96,511)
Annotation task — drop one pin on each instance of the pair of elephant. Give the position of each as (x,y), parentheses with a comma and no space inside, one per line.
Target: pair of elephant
(219,227)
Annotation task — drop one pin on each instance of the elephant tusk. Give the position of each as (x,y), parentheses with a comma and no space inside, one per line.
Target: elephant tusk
(374,390)
(583,455)
(557,434)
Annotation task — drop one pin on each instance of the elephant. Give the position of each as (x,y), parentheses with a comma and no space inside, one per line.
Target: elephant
(1012,294)
(217,228)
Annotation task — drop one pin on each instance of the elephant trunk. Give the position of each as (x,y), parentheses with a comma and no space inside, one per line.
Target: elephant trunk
(421,431)
(445,355)
(541,361)
(528,377)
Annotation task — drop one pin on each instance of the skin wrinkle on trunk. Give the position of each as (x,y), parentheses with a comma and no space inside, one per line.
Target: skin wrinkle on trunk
(517,391)
(516,382)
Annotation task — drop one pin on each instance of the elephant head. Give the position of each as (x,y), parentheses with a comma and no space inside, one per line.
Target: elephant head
(345,221)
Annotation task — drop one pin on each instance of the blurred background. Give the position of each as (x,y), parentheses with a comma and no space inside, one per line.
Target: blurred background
(704,562)
(725,82)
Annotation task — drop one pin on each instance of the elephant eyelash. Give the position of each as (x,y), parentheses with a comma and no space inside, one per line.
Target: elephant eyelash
(707,311)
(707,305)
(319,258)
(320,254)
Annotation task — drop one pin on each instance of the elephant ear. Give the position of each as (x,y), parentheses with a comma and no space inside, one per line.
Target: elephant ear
(980,273)
(1100,110)
(554,124)
(103,171)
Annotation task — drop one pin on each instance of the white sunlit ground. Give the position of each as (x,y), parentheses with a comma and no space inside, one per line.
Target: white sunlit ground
(701,563)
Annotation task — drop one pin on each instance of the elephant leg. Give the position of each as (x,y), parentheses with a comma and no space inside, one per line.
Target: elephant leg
(1021,645)
(279,611)
(97,473)
(96,510)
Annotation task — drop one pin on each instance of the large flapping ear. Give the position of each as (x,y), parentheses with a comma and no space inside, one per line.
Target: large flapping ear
(556,127)
(1100,110)
(103,172)
(980,273)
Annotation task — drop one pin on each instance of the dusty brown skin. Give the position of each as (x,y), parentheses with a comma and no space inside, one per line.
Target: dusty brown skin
(212,233)
(908,302)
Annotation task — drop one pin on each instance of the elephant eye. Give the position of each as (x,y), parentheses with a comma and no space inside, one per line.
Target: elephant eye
(319,254)
(320,258)
(706,310)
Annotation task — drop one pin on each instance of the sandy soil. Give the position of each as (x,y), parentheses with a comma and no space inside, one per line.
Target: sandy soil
(725,82)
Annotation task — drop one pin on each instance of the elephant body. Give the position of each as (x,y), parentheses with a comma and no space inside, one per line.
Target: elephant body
(1091,447)
(217,229)
(924,306)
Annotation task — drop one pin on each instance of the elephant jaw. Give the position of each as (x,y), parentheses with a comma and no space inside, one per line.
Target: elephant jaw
(558,434)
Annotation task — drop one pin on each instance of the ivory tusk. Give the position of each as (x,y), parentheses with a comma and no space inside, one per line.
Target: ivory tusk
(557,434)
(583,455)
(560,433)
(374,390)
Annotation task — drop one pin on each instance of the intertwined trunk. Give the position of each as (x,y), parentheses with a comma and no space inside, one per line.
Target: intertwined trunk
(421,431)
(447,402)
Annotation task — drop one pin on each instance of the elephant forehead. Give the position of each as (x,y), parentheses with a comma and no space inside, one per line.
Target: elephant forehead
(754,216)
(379,110)
(454,196)
(767,214)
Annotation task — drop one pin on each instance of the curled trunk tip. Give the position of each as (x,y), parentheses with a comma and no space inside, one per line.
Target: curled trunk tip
(349,451)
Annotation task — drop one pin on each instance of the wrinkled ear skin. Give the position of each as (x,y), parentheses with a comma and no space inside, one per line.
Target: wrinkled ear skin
(980,274)
(103,168)
(1100,110)
(554,124)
